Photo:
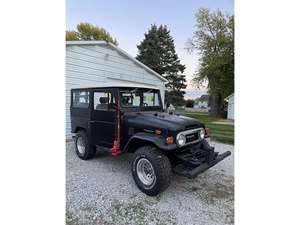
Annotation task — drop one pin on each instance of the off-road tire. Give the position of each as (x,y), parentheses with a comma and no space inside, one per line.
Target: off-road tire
(90,150)
(161,166)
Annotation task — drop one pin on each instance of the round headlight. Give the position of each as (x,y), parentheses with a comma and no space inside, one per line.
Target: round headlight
(202,133)
(181,140)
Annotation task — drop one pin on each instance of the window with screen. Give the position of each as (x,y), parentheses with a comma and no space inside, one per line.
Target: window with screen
(81,99)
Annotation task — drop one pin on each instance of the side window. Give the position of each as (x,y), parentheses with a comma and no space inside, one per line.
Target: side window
(81,99)
(102,99)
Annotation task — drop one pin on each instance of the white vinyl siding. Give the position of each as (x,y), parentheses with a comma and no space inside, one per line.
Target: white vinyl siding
(101,65)
(230,109)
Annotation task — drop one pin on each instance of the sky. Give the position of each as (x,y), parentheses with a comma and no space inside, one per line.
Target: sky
(128,20)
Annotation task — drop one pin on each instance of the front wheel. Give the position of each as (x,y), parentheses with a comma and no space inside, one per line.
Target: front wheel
(151,170)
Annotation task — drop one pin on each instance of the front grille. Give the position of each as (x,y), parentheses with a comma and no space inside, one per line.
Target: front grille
(192,137)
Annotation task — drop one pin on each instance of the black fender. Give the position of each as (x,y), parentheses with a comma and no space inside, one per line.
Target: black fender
(156,140)
(79,123)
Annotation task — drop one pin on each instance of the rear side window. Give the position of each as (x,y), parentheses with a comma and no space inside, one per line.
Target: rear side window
(81,99)
(102,99)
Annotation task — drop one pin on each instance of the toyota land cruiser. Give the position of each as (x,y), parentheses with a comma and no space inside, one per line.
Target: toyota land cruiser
(132,120)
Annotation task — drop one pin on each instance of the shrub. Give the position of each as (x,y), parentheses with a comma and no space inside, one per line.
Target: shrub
(189,103)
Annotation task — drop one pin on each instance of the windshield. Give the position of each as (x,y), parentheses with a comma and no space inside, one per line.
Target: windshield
(138,97)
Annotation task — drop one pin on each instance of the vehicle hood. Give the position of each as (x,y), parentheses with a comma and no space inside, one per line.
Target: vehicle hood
(161,120)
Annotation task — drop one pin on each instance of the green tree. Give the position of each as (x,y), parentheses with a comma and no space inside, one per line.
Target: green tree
(189,103)
(214,41)
(87,31)
(175,98)
(157,51)
(71,36)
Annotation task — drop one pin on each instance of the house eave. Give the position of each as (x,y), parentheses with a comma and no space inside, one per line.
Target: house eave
(121,52)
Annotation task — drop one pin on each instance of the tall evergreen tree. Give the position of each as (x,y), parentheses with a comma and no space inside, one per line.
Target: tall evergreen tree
(157,51)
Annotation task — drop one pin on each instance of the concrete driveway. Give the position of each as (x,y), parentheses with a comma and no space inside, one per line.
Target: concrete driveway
(102,191)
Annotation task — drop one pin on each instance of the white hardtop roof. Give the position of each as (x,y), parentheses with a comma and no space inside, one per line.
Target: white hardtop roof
(118,86)
(120,51)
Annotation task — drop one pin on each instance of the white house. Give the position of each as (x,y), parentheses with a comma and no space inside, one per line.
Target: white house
(230,106)
(99,63)
(203,101)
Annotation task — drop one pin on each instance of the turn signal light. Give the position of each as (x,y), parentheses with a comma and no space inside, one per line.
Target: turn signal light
(170,140)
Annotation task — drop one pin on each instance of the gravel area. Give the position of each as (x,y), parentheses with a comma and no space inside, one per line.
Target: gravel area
(102,191)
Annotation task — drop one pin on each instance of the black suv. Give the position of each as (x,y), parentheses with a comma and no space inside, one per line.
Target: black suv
(132,120)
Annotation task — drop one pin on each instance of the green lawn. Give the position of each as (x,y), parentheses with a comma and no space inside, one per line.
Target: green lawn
(220,133)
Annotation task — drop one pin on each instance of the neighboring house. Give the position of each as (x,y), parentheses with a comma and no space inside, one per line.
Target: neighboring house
(99,63)
(202,102)
(230,106)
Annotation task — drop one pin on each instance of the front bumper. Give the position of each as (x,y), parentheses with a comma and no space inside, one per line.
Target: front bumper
(198,159)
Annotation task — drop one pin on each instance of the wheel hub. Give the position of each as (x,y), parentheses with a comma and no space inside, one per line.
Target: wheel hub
(145,172)
(80,145)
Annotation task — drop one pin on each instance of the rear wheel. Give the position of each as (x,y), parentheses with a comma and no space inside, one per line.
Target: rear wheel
(83,149)
(151,170)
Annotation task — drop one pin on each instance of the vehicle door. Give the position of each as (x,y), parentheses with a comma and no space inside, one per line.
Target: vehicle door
(103,117)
